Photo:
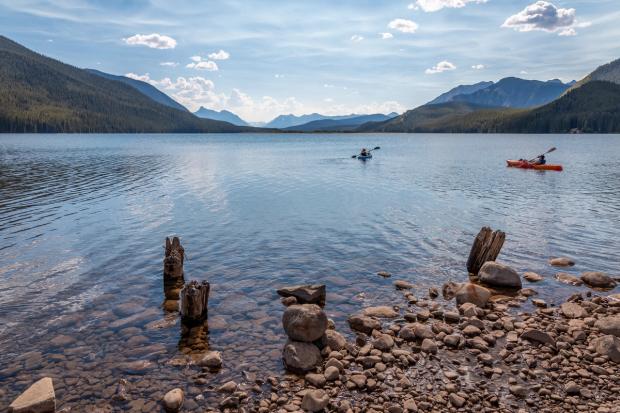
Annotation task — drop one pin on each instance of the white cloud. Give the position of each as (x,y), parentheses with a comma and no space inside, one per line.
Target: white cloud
(278,76)
(196,58)
(436,5)
(169,64)
(545,16)
(403,25)
(478,67)
(154,41)
(386,35)
(357,38)
(203,65)
(443,66)
(221,55)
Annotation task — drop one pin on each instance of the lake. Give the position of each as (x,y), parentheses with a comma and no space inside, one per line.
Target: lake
(83,220)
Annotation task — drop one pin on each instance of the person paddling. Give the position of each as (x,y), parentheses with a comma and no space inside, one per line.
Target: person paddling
(540,160)
(364,152)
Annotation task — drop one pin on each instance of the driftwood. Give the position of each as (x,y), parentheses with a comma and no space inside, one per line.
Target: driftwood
(487,245)
(194,300)
(173,260)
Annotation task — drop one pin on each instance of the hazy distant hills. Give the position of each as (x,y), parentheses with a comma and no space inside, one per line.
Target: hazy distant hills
(144,88)
(346,124)
(39,94)
(288,121)
(457,91)
(222,115)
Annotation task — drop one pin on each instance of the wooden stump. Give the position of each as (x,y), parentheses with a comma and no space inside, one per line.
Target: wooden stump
(487,245)
(194,301)
(173,260)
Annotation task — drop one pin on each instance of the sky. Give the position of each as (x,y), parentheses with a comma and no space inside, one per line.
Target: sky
(264,58)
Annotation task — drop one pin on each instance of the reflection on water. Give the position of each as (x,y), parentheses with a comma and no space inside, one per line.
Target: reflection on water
(83,219)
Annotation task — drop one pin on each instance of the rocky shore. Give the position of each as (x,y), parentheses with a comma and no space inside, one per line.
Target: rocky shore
(484,345)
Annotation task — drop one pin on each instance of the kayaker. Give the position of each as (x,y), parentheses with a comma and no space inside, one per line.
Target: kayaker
(364,152)
(540,160)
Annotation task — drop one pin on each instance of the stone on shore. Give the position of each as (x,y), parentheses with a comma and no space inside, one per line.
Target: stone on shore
(304,322)
(598,280)
(300,357)
(364,323)
(561,262)
(609,325)
(335,340)
(573,310)
(472,293)
(305,294)
(532,277)
(429,346)
(496,274)
(539,337)
(568,279)
(380,312)
(403,285)
(315,401)
(38,398)
(173,400)
(608,346)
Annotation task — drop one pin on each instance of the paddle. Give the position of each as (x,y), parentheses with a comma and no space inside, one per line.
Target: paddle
(373,149)
(549,151)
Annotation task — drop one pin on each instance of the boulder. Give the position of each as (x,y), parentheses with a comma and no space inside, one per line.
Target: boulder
(609,325)
(598,280)
(305,294)
(211,360)
(332,373)
(573,310)
(335,340)
(384,343)
(300,357)
(499,275)
(608,346)
(364,323)
(532,277)
(449,289)
(315,401)
(173,400)
(38,398)
(561,262)
(380,312)
(472,293)
(304,322)
(568,279)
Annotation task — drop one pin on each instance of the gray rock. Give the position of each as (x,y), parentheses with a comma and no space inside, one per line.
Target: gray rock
(609,325)
(332,373)
(305,294)
(304,322)
(496,274)
(173,400)
(456,400)
(300,357)
(429,346)
(380,312)
(384,342)
(532,277)
(403,285)
(212,360)
(335,340)
(317,380)
(315,401)
(561,262)
(598,280)
(364,323)
(568,279)
(38,398)
(539,336)
(518,391)
(228,387)
(573,310)
(472,293)
(608,346)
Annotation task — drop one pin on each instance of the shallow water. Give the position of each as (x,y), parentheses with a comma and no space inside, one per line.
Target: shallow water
(83,221)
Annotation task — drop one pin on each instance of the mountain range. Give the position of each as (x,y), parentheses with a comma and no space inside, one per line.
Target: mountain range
(340,123)
(222,115)
(40,94)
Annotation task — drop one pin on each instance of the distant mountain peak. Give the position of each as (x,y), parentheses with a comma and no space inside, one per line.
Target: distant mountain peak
(223,115)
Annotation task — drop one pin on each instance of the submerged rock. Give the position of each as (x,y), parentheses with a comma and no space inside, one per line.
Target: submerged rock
(305,294)
(305,322)
(300,357)
(496,274)
(173,400)
(598,280)
(561,262)
(38,398)
(212,360)
(568,279)
(532,277)
(380,312)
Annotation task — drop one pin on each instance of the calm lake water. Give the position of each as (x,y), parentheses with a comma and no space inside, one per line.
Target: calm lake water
(83,221)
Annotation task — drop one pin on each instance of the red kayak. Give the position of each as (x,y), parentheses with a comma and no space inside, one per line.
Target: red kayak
(529,165)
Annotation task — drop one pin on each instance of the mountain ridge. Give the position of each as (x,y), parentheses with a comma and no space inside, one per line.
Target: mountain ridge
(223,115)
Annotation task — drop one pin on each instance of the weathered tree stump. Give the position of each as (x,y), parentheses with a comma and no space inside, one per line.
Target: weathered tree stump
(487,245)
(173,260)
(194,300)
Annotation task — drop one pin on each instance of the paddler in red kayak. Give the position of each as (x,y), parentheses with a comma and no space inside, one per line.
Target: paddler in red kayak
(540,160)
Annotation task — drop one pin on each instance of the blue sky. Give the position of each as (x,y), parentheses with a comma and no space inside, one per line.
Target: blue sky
(264,58)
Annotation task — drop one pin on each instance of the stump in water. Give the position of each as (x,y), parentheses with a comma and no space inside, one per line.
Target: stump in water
(173,261)
(487,245)
(194,301)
